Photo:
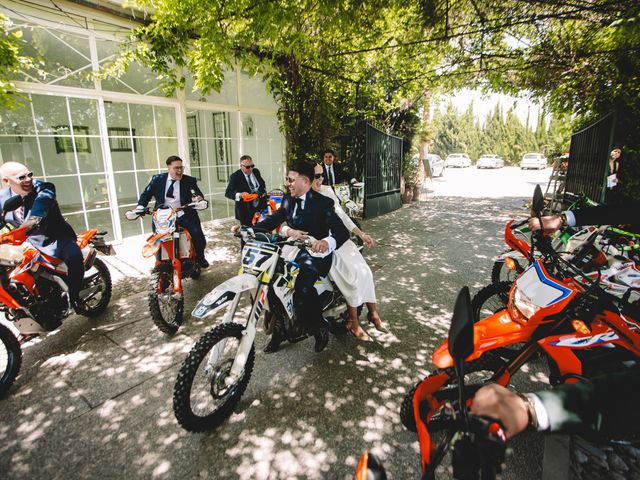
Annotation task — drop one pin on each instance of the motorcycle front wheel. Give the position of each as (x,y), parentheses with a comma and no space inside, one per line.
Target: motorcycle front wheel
(97,276)
(482,368)
(165,306)
(490,299)
(10,359)
(202,400)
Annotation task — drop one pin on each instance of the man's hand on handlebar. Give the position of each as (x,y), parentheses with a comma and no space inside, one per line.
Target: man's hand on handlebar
(500,403)
(320,246)
(296,234)
(550,223)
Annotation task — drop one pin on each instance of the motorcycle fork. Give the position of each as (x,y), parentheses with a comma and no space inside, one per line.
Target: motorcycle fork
(248,337)
(504,373)
(177,264)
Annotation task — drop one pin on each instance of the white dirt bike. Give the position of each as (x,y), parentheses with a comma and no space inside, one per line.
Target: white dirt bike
(217,370)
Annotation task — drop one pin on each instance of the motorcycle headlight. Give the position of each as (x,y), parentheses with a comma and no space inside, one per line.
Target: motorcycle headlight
(523,304)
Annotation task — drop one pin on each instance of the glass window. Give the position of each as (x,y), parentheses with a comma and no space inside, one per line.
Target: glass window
(63,56)
(18,121)
(166,148)
(50,113)
(95,190)
(126,188)
(23,150)
(101,219)
(58,155)
(91,160)
(226,96)
(84,113)
(117,114)
(165,121)
(68,193)
(146,154)
(142,120)
(130,227)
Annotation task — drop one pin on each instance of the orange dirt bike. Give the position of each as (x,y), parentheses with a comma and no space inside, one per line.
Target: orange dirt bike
(274,200)
(33,292)
(578,327)
(175,260)
(478,442)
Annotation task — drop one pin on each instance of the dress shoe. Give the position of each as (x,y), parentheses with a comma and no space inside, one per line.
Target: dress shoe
(378,326)
(322,338)
(203,263)
(274,343)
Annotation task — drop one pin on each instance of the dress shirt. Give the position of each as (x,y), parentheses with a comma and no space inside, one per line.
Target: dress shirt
(175,201)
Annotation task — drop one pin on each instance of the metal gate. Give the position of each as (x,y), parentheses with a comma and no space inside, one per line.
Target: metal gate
(378,159)
(589,158)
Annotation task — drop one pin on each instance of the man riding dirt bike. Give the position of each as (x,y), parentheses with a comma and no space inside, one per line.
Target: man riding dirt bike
(217,370)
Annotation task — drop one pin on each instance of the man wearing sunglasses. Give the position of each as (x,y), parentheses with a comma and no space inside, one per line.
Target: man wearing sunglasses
(307,213)
(245,181)
(48,231)
(176,189)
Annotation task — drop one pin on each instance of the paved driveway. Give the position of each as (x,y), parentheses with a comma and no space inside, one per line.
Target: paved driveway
(94,398)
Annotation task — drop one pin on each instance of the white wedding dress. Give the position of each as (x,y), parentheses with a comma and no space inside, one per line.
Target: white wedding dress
(349,269)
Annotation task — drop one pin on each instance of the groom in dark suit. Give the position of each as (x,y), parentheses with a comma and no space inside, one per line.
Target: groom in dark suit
(176,189)
(246,180)
(308,213)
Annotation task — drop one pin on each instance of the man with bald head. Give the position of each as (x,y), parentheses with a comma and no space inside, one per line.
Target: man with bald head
(40,214)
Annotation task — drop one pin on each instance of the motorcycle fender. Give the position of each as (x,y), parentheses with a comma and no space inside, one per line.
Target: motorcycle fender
(493,332)
(424,393)
(224,293)
(516,255)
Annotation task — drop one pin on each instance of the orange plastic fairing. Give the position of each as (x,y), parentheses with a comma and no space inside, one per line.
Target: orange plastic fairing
(14,237)
(424,393)
(153,245)
(85,237)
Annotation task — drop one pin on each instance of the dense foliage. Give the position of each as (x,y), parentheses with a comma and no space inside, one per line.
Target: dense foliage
(502,134)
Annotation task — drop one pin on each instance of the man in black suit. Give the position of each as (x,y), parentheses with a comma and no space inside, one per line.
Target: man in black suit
(606,404)
(176,189)
(48,231)
(308,213)
(243,181)
(333,172)
(599,215)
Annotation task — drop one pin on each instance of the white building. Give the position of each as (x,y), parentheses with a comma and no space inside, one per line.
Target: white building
(100,142)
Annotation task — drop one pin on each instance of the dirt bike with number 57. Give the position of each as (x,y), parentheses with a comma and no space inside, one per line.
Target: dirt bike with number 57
(217,370)
(175,260)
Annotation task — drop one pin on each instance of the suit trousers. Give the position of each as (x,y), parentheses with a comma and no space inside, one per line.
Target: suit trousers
(305,297)
(69,251)
(192,224)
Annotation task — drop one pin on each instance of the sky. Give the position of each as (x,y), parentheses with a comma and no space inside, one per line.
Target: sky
(484,104)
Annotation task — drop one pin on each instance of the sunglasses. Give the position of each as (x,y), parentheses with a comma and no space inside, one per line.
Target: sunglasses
(248,166)
(318,176)
(290,180)
(24,176)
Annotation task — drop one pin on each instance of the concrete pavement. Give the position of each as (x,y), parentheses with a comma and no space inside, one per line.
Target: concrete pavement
(94,399)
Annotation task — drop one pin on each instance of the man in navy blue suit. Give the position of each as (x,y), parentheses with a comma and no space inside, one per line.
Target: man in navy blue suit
(308,213)
(48,230)
(176,189)
(246,180)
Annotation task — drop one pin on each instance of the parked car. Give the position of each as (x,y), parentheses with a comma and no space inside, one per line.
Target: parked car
(533,160)
(490,161)
(436,164)
(460,160)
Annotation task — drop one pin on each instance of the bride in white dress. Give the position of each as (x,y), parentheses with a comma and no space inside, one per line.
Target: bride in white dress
(350,271)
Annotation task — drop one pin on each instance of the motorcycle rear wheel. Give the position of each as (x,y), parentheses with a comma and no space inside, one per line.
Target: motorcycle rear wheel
(205,408)
(10,359)
(97,304)
(165,308)
(487,362)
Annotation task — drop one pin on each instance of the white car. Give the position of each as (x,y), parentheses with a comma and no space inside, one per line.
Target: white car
(460,160)
(490,161)
(533,160)
(436,164)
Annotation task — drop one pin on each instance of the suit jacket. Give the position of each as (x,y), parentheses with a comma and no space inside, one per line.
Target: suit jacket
(608,215)
(338,172)
(237,184)
(157,186)
(607,403)
(53,232)
(319,218)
